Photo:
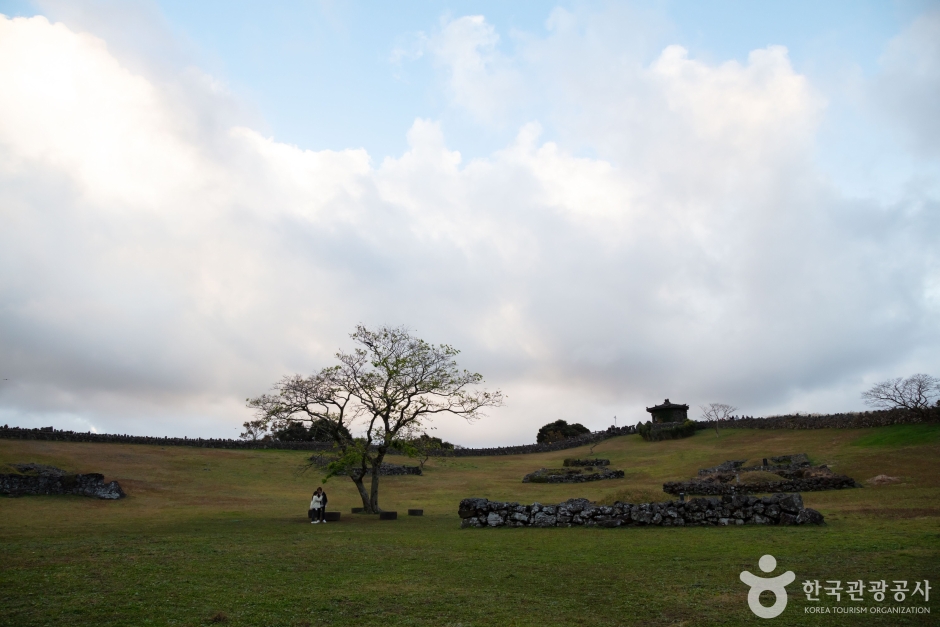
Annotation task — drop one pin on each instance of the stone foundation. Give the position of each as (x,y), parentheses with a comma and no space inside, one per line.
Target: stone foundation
(778,509)
(48,480)
(387,470)
(586,462)
(571,475)
(795,472)
(816,484)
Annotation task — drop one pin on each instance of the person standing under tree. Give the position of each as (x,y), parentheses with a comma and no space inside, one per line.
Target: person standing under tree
(323,505)
(317,511)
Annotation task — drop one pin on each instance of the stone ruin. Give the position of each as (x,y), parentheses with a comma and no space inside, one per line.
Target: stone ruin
(396,470)
(782,462)
(38,479)
(385,470)
(740,509)
(795,472)
(572,475)
(586,462)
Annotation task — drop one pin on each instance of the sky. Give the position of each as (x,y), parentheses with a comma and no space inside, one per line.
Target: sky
(601,204)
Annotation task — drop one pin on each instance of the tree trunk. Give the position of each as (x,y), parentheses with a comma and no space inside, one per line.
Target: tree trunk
(374,501)
(376,466)
(356,476)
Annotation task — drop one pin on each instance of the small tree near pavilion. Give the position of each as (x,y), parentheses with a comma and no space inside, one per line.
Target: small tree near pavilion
(714,412)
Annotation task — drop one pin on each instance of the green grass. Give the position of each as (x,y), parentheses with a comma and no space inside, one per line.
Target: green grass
(205,532)
(901,435)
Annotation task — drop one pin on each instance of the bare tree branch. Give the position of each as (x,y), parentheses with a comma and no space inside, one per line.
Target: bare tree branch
(915,393)
(714,412)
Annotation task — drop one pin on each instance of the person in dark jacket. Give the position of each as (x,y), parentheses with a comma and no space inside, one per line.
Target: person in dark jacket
(317,511)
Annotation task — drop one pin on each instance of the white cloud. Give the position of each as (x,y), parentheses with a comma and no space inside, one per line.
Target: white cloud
(155,270)
(479,77)
(909,83)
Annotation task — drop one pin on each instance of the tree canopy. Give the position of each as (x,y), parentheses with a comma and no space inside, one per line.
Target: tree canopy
(560,430)
(319,431)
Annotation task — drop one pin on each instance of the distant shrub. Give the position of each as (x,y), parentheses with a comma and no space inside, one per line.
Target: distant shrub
(319,431)
(433,442)
(560,430)
(666,431)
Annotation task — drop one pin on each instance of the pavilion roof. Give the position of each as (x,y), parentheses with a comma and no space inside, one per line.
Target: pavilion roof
(666,405)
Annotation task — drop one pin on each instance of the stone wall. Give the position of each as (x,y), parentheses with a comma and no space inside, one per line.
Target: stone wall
(91,484)
(812,484)
(586,462)
(795,472)
(778,509)
(48,433)
(571,475)
(779,463)
(392,470)
(581,440)
(852,420)
(831,421)
(56,435)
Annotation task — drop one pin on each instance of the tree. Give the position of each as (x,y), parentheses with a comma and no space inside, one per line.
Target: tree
(558,431)
(294,431)
(714,412)
(319,431)
(424,446)
(254,430)
(914,393)
(389,386)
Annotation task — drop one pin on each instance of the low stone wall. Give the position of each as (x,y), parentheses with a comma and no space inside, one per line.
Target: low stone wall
(779,463)
(396,470)
(778,509)
(391,470)
(831,421)
(91,484)
(812,484)
(586,462)
(581,440)
(546,475)
(852,420)
(795,472)
(48,433)
(55,435)
(729,466)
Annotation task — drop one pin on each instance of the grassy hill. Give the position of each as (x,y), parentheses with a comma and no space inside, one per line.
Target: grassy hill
(221,535)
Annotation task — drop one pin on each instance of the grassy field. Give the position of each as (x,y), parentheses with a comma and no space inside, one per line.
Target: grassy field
(220,537)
